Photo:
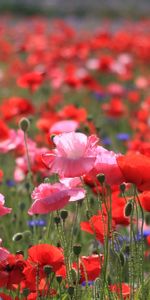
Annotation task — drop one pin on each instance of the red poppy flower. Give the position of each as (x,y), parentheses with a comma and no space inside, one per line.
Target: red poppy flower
(90,267)
(97,225)
(145,200)
(125,290)
(31,80)
(72,112)
(115,108)
(15,106)
(135,169)
(11,270)
(4,131)
(39,256)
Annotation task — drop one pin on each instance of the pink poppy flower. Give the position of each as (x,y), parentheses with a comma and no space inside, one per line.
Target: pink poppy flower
(3,210)
(64,126)
(106,163)
(74,156)
(49,197)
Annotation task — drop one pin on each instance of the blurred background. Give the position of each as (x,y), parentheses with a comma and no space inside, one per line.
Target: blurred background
(78,8)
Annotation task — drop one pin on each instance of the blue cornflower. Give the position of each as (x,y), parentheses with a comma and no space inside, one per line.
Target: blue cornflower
(123,136)
(40,223)
(10,182)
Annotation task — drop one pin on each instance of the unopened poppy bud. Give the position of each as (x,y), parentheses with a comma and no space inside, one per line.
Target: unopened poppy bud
(26,292)
(86,129)
(128,209)
(48,269)
(24,124)
(77,249)
(19,252)
(88,215)
(27,236)
(71,290)
(122,259)
(22,206)
(73,275)
(17,237)
(89,118)
(52,137)
(147,220)
(59,279)
(122,187)
(64,214)
(101,178)
(57,220)
(46,180)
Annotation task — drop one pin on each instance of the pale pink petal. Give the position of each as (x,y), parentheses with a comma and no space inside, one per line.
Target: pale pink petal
(64,126)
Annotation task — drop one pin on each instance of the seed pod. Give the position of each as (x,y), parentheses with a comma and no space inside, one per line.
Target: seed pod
(128,209)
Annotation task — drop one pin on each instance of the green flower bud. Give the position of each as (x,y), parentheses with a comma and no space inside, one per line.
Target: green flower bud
(128,209)
(59,279)
(71,290)
(101,178)
(122,187)
(24,124)
(17,237)
(26,292)
(57,220)
(77,249)
(64,214)
(48,269)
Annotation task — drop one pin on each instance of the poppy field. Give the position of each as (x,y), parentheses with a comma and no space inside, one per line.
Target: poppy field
(74,160)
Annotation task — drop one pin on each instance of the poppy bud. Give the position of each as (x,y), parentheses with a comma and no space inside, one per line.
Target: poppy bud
(64,214)
(88,214)
(73,275)
(71,290)
(24,124)
(27,236)
(17,237)
(101,178)
(122,187)
(47,269)
(46,180)
(128,209)
(19,252)
(26,292)
(90,118)
(122,259)
(57,220)
(59,279)
(52,137)
(77,249)
(22,206)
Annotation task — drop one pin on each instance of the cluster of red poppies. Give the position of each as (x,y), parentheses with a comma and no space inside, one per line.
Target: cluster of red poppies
(73,95)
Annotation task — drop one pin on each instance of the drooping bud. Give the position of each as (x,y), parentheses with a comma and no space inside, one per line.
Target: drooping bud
(128,209)
(17,237)
(24,124)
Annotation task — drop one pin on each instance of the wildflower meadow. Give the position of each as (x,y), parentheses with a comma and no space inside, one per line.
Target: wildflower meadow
(74,160)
